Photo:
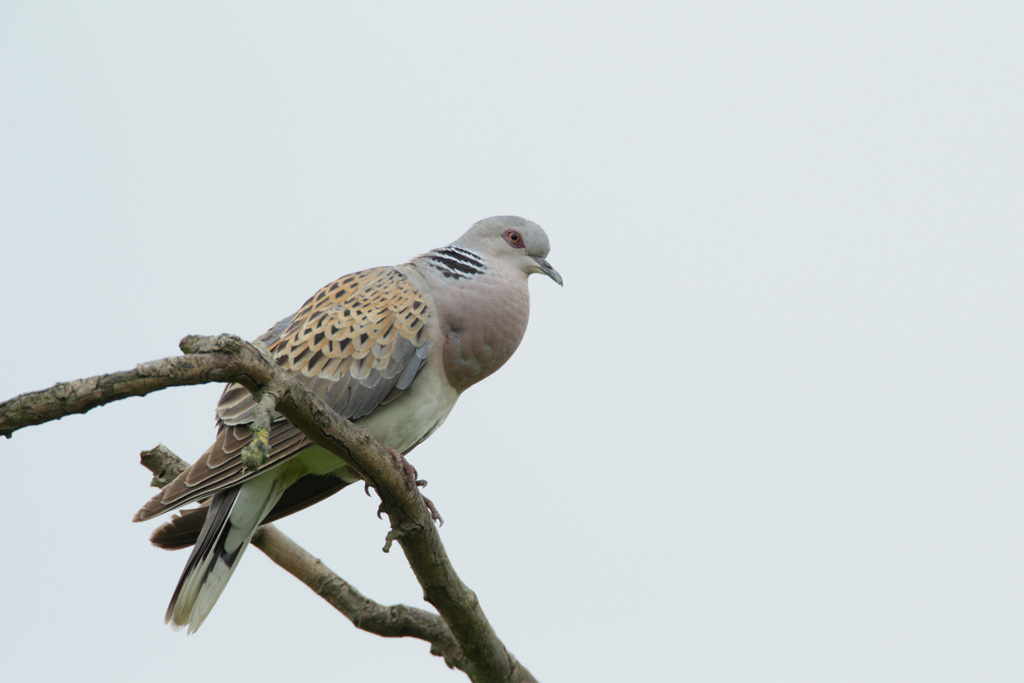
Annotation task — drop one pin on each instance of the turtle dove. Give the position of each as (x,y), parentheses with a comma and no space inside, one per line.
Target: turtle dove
(389,348)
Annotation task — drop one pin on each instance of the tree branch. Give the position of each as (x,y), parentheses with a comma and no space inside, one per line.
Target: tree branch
(394,621)
(227,358)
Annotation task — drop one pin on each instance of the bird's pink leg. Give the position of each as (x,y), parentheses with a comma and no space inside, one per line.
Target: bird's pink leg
(410,475)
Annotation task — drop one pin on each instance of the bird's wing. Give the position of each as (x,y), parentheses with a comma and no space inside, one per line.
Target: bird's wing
(358,343)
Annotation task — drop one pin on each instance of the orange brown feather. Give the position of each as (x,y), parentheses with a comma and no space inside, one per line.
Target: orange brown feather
(357,343)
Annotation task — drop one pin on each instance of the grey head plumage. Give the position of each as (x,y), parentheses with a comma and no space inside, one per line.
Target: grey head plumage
(514,242)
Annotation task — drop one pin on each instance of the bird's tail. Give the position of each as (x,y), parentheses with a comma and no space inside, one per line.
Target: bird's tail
(231,520)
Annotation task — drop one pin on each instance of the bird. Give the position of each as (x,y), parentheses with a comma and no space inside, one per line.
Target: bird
(389,348)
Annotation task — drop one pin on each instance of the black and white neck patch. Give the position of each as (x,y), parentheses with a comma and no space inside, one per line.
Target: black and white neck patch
(456,262)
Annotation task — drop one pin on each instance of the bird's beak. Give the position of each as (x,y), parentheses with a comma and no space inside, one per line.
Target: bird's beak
(547,269)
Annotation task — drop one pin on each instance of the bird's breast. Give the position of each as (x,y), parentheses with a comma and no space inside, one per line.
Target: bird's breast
(409,419)
(482,326)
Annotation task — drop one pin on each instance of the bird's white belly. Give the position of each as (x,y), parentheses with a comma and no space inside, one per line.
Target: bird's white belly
(415,414)
(400,425)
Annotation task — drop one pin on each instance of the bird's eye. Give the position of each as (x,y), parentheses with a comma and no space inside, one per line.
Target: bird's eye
(514,238)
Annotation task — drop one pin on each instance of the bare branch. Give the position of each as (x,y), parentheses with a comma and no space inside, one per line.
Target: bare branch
(164,464)
(394,621)
(80,396)
(255,453)
(227,358)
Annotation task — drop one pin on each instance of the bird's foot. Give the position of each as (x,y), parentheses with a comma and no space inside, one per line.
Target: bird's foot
(407,468)
(434,514)
(410,475)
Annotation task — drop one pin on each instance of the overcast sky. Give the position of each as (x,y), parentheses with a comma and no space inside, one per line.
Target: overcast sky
(769,430)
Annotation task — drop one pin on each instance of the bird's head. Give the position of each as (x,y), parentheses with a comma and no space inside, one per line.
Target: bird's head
(514,241)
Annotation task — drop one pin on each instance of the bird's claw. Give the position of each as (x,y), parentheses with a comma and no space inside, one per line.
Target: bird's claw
(407,468)
(434,514)
(411,477)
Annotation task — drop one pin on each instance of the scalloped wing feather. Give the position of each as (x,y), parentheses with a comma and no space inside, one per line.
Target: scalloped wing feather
(358,343)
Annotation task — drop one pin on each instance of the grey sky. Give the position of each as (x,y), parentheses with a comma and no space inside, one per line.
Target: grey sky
(768,431)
